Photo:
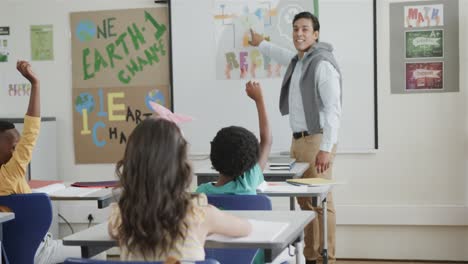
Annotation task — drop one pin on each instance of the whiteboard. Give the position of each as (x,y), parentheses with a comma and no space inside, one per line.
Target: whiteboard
(214,104)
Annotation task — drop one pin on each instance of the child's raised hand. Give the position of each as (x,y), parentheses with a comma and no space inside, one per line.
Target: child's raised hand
(254,90)
(25,69)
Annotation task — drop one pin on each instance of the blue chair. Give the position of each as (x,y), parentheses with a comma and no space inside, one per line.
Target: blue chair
(240,202)
(237,202)
(22,235)
(91,261)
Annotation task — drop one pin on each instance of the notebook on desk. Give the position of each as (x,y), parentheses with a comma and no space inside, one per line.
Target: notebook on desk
(280,187)
(96,184)
(261,231)
(281,163)
(311,181)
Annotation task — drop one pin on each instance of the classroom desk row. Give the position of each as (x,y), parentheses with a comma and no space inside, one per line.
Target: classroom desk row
(205,173)
(96,239)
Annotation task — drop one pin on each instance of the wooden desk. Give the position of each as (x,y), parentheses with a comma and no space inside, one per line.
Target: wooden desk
(96,239)
(205,173)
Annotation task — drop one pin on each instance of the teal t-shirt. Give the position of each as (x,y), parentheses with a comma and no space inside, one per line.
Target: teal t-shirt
(245,184)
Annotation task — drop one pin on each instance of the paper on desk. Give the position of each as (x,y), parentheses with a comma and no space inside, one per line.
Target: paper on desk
(48,189)
(261,231)
(280,187)
(73,192)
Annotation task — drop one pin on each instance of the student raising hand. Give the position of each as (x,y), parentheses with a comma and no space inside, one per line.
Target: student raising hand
(34,107)
(25,69)
(254,91)
(238,156)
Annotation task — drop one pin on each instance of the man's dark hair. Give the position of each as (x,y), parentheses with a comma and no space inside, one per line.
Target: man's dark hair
(5,125)
(308,15)
(234,150)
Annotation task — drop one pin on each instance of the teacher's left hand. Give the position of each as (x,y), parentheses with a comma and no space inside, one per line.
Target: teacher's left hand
(322,161)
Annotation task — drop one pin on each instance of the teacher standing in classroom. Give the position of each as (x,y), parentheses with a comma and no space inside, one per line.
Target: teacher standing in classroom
(311,94)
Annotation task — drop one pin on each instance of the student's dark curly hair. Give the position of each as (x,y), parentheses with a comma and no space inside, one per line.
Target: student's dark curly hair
(234,150)
(155,175)
(5,125)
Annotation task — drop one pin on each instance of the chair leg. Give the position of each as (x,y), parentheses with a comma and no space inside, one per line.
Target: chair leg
(4,256)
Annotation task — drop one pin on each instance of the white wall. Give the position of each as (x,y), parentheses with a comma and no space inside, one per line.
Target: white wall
(409,200)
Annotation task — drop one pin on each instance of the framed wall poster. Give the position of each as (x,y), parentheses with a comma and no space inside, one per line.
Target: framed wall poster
(425,76)
(424,44)
(424,47)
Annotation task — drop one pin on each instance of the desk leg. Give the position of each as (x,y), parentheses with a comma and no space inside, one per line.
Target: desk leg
(91,251)
(325,231)
(298,248)
(292,203)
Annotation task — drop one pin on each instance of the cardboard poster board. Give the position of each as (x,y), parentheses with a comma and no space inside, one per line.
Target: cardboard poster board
(120,62)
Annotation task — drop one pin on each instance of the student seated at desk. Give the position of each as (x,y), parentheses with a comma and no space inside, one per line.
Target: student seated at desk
(157,216)
(15,155)
(237,155)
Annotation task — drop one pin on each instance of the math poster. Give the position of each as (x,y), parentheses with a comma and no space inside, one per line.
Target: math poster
(424,75)
(235,58)
(120,63)
(421,16)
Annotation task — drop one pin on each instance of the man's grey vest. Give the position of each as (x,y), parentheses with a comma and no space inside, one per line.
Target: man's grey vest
(310,95)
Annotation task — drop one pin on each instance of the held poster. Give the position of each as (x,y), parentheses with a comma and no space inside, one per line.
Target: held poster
(120,64)
(235,58)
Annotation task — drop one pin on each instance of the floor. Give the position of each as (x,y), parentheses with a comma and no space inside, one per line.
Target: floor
(390,262)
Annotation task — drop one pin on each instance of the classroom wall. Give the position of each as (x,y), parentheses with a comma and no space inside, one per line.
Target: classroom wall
(408,200)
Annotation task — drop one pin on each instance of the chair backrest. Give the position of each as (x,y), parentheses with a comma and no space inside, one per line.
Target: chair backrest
(92,261)
(240,202)
(22,235)
(237,202)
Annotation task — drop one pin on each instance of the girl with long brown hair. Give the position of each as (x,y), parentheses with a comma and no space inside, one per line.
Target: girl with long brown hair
(156,216)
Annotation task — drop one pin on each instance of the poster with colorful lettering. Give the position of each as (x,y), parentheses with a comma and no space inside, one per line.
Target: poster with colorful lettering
(424,16)
(424,76)
(233,19)
(424,44)
(14,90)
(120,64)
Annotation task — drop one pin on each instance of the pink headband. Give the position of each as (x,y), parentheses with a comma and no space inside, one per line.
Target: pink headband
(165,113)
